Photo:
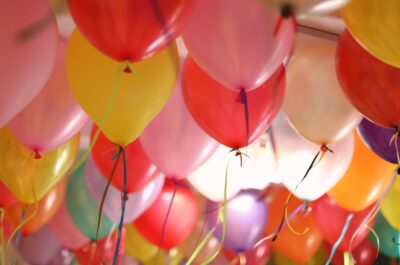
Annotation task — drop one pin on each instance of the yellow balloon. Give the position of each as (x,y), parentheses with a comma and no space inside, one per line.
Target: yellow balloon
(26,176)
(376,26)
(318,258)
(139,99)
(390,207)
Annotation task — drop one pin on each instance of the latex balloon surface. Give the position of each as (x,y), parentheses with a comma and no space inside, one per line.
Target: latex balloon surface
(389,208)
(28,52)
(6,197)
(22,173)
(363,254)
(317,259)
(389,237)
(314,102)
(93,77)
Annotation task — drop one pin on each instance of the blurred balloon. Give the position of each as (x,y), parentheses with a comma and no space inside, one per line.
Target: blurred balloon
(6,197)
(299,248)
(246,219)
(174,202)
(317,259)
(54,116)
(222,113)
(331,220)
(95,79)
(83,208)
(390,205)
(259,255)
(130,30)
(137,201)
(128,260)
(171,257)
(173,140)
(364,77)
(237,53)
(40,247)
(294,153)
(64,228)
(314,103)
(140,169)
(369,173)
(363,254)
(138,247)
(304,7)
(389,237)
(363,18)
(38,215)
(28,52)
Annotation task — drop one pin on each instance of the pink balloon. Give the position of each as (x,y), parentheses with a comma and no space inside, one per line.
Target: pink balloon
(65,230)
(235,43)
(174,142)
(54,116)
(26,59)
(137,202)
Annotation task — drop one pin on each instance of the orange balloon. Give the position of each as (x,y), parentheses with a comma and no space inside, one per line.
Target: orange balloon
(365,180)
(299,248)
(47,207)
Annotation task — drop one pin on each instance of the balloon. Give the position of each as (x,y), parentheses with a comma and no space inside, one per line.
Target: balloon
(368,173)
(364,254)
(246,218)
(103,250)
(331,220)
(389,237)
(40,247)
(218,111)
(6,197)
(177,229)
(92,77)
(378,140)
(27,176)
(174,141)
(294,155)
(137,201)
(304,7)
(314,103)
(317,259)
(27,53)
(363,18)
(83,209)
(363,78)
(256,256)
(389,206)
(209,179)
(140,170)
(130,30)
(299,248)
(65,230)
(54,116)
(237,53)
(45,210)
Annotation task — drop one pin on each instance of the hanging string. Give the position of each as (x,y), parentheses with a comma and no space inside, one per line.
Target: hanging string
(339,240)
(394,139)
(378,242)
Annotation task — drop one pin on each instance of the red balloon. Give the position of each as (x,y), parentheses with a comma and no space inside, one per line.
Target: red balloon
(372,86)
(257,256)
(364,254)
(140,170)
(103,251)
(181,219)
(219,111)
(331,220)
(130,29)
(6,197)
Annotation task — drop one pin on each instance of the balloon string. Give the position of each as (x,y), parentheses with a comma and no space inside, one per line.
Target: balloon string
(394,139)
(3,248)
(124,199)
(203,227)
(378,242)
(339,240)
(18,236)
(243,100)
(273,144)
(288,222)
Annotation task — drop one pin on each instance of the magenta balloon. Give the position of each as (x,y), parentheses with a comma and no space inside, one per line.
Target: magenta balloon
(137,201)
(234,41)
(174,142)
(65,230)
(54,116)
(26,60)
(40,247)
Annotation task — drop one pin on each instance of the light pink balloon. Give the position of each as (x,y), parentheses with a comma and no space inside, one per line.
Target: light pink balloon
(174,142)
(65,230)
(26,62)
(235,43)
(54,116)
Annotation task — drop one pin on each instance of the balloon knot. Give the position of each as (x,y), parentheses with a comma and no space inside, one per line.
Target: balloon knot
(180,184)
(398,171)
(36,154)
(127,70)
(287,10)
(325,149)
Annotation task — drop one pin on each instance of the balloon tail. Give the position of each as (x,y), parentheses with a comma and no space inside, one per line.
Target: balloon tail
(243,100)
(347,259)
(92,252)
(124,199)
(339,240)
(286,13)
(242,259)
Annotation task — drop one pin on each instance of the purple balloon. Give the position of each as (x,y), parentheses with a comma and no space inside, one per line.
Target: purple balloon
(378,140)
(246,219)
